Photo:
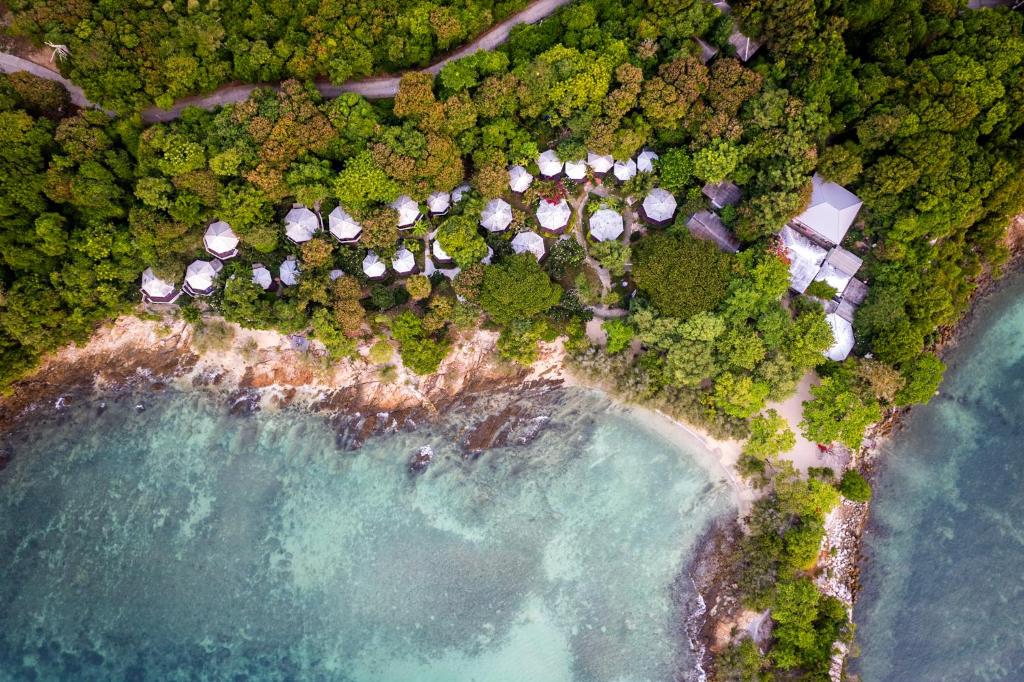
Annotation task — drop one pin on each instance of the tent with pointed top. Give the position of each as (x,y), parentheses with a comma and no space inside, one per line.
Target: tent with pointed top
(549,164)
(373,266)
(300,224)
(659,207)
(645,161)
(519,179)
(553,217)
(605,225)
(438,203)
(576,170)
(496,216)
(440,255)
(343,226)
(408,211)
(289,271)
(404,262)
(624,170)
(262,277)
(200,277)
(529,242)
(220,240)
(600,163)
(156,290)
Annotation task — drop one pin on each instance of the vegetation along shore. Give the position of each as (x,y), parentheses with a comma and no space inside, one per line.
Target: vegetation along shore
(761,220)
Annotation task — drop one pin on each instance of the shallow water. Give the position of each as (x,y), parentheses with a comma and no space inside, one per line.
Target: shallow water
(183,543)
(944,586)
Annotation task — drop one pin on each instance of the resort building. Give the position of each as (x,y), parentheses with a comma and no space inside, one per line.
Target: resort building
(722,194)
(200,277)
(220,241)
(373,267)
(838,268)
(529,242)
(707,52)
(805,258)
(658,207)
(553,216)
(441,256)
(300,224)
(156,290)
(289,272)
(343,226)
(645,161)
(496,216)
(459,192)
(404,262)
(519,179)
(262,277)
(408,211)
(438,203)
(576,170)
(842,332)
(830,213)
(745,46)
(336,274)
(605,225)
(600,163)
(624,170)
(708,226)
(549,164)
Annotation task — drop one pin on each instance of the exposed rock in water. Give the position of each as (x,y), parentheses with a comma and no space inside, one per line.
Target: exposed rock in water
(419,462)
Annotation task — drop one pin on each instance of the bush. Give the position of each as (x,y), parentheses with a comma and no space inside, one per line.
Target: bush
(381,352)
(682,275)
(821,289)
(854,486)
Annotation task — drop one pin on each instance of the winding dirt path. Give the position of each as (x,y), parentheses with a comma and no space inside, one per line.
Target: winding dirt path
(379,87)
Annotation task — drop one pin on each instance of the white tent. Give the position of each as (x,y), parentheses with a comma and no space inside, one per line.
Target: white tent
(336,274)
(496,216)
(486,260)
(156,290)
(408,211)
(343,226)
(200,276)
(605,225)
(301,224)
(289,271)
(459,192)
(645,161)
(549,164)
(519,179)
(404,263)
(832,210)
(438,203)
(262,276)
(805,258)
(373,266)
(659,206)
(600,163)
(625,170)
(553,217)
(440,254)
(842,331)
(220,240)
(575,170)
(529,242)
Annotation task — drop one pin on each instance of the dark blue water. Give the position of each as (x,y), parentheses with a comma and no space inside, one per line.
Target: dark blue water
(944,586)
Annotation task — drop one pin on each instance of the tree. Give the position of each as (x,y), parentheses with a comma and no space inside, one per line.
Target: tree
(619,335)
(716,161)
(854,486)
(517,289)
(770,436)
(923,376)
(459,238)
(612,255)
(838,414)
(739,396)
(418,287)
(682,275)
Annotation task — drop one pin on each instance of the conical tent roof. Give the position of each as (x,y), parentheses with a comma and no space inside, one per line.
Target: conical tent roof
(220,240)
(373,266)
(549,163)
(336,274)
(439,202)
(659,205)
(519,179)
(842,332)
(496,216)
(459,192)
(300,224)
(439,252)
(290,271)
(529,242)
(605,225)
(342,225)
(200,275)
(553,216)
(625,170)
(600,163)
(408,210)
(403,262)
(575,170)
(262,277)
(154,287)
(645,161)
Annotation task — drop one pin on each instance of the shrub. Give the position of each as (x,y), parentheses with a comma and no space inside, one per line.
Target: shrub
(854,486)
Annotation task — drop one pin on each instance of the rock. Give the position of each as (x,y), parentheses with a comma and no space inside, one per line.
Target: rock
(421,460)
(139,407)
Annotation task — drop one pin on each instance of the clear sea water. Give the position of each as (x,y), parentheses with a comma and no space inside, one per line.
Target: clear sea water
(182,543)
(944,586)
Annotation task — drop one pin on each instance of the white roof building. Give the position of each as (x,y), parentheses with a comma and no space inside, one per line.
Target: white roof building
(343,226)
(600,163)
(659,206)
(459,192)
(336,274)
(200,277)
(438,203)
(839,268)
(575,170)
(645,161)
(496,216)
(373,266)
(262,277)
(832,210)
(220,240)
(300,224)
(519,179)
(289,271)
(404,263)
(156,290)
(805,258)
(842,331)
(440,255)
(549,164)
(605,225)
(553,217)
(408,211)
(625,170)
(529,242)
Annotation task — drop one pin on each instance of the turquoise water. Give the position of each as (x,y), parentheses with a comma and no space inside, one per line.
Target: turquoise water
(183,543)
(944,586)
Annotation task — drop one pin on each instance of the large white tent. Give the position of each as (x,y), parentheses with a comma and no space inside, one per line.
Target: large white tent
(496,216)
(519,179)
(805,258)
(440,255)
(529,242)
(262,276)
(659,206)
(220,240)
(625,170)
(600,163)
(549,164)
(408,211)
(460,192)
(438,203)
(645,161)
(289,271)
(575,170)
(156,290)
(553,217)
(343,226)
(605,225)
(373,266)
(842,332)
(300,224)
(404,263)
(200,277)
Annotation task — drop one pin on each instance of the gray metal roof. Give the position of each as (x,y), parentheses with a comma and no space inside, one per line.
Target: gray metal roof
(722,194)
(707,225)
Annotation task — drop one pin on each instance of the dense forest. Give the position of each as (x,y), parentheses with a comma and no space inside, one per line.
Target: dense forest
(916,106)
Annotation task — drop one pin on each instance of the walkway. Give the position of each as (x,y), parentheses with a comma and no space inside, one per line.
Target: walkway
(380,87)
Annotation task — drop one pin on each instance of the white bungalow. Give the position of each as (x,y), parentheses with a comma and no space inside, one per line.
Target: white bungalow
(645,161)
(200,277)
(553,217)
(336,274)
(220,240)
(496,216)
(830,213)
(659,207)
(373,267)
(625,170)
(486,260)
(605,225)
(404,262)
(408,211)
(600,163)
(289,272)
(343,226)
(839,268)
(156,290)
(842,332)
(549,164)
(576,170)
(519,179)
(805,258)
(460,192)
(438,203)
(529,242)
(441,256)
(262,277)
(300,224)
